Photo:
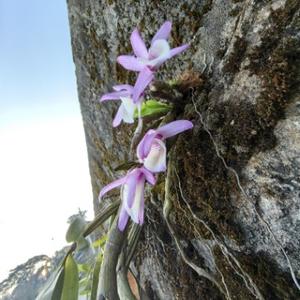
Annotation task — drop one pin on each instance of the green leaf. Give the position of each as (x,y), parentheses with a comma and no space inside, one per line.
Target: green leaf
(152,107)
(85,293)
(102,217)
(96,274)
(83,281)
(133,239)
(84,268)
(54,285)
(71,280)
(75,229)
(100,242)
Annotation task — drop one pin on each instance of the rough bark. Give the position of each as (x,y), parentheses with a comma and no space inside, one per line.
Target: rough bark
(246,111)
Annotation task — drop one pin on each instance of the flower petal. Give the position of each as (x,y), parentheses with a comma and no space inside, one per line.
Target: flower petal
(123,218)
(130,63)
(129,187)
(144,145)
(178,50)
(138,45)
(143,80)
(126,87)
(156,159)
(119,116)
(149,176)
(163,32)
(114,95)
(111,186)
(174,128)
(134,211)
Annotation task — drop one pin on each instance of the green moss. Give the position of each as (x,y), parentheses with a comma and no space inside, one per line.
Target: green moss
(241,129)
(208,192)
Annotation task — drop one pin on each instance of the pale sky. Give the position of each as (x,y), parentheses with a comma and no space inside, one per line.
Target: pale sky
(44,175)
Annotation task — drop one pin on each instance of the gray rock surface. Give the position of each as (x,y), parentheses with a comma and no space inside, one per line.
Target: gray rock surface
(247,54)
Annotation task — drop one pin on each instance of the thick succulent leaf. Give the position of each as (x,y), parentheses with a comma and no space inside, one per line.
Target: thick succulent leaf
(54,285)
(152,107)
(100,242)
(101,217)
(84,268)
(96,274)
(85,292)
(71,280)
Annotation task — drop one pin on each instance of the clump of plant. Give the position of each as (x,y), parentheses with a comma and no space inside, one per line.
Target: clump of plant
(105,277)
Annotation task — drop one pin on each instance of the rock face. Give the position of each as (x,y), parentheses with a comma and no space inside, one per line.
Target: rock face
(234,181)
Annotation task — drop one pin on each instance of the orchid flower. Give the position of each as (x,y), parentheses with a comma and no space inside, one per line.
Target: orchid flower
(152,58)
(132,195)
(131,97)
(151,150)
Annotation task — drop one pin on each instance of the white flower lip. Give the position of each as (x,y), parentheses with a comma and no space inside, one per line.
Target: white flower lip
(156,159)
(128,108)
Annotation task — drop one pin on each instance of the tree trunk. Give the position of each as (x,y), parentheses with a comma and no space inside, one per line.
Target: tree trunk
(233,187)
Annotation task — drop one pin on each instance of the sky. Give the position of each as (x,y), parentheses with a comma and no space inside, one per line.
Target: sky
(44,175)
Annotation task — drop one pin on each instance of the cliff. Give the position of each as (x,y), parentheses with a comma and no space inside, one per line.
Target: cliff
(233,185)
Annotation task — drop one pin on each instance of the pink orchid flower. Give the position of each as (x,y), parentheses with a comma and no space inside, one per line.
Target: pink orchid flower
(157,54)
(151,150)
(131,97)
(132,195)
